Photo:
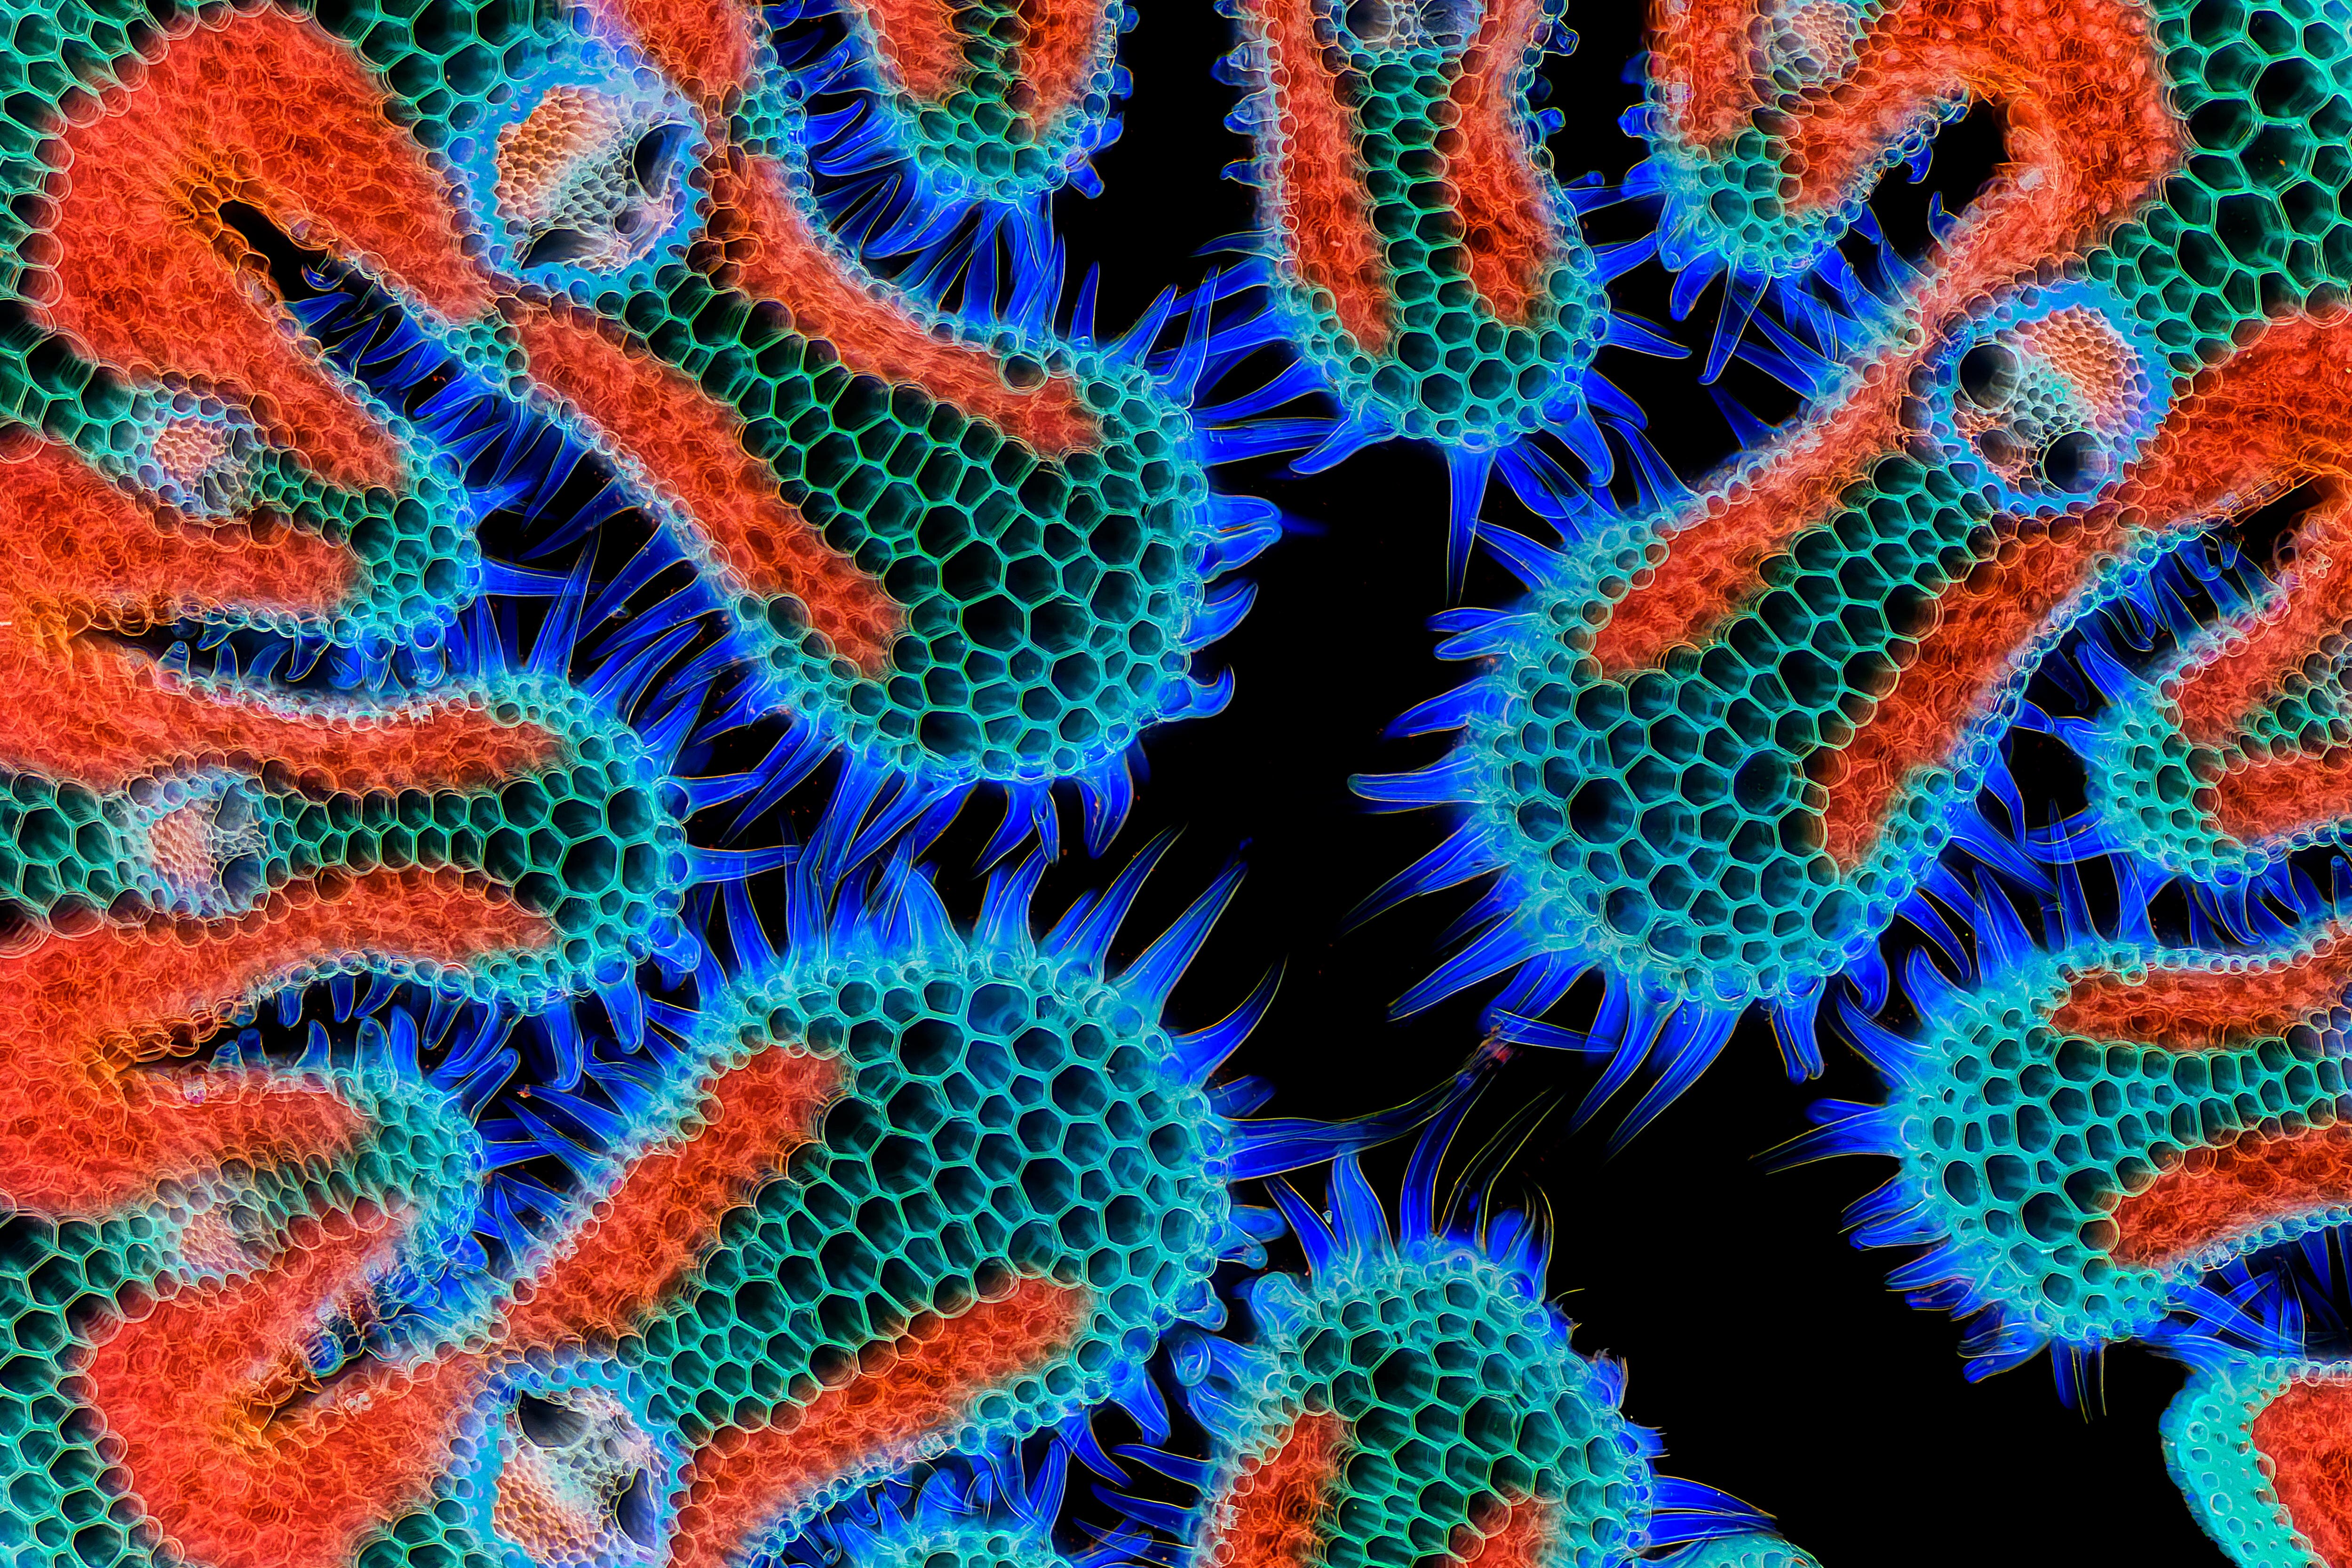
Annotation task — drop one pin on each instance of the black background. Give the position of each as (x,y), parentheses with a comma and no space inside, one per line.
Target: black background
(1766,1347)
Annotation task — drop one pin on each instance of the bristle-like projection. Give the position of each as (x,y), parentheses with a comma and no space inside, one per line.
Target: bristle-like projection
(1024,639)
(1419,1344)
(938,137)
(1483,349)
(2081,1117)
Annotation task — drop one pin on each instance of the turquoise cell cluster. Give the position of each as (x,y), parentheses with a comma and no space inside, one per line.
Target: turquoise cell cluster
(2254,225)
(1450,369)
(1052,605)
(2209,1447)
(1461,1400)
(983,143)
(1666,824)
(53,1279)
(2251,227)
(1008,1112)
(2146,783)
(1455,1389)
(1013,1115)
(560,1451)
(2017,1141)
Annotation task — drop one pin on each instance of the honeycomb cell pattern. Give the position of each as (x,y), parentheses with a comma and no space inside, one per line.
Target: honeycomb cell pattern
(1037,614)
(974,104)
(2217,751)
(973,548)
(1471,311)
(598,158)
(139,350)
(1017,1137)
(938,1191)
(2102,1135)
(595,1220)
(1424,260)
(1723,737)
(591,846)
(564,1470)
(2073,1173)
(1415,1397)
(2252,1440)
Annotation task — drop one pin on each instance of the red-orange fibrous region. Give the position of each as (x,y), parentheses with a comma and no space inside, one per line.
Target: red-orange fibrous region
(2306,1433)
(2300,791)
(216,1406)
(1327,214)
(87,1122)
(2083,96)
(898,1392)
(1699,54)
(1275,1516)
(668,1206)
(927,51)
(1499,199)
(2248,426)
(284,1432)
(771,254)
(2227,1193)
(1714,558)
(1058,47)
(83,554)
(705,47)
(2087,1132)
(919,39)
(2204,1009)
(2249,430)
(691,445)
(2090,133)
(143,272)
(85,558)
(2315,600)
